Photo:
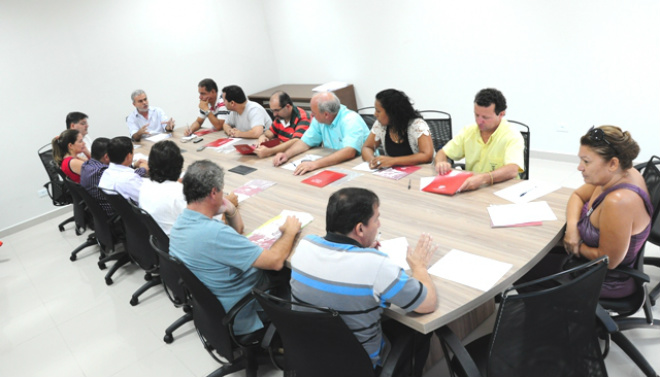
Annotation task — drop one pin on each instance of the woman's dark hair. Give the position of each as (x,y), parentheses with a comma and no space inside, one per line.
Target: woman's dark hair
(612,142)
(165,162)
(399,110)
(349,207)
(61,143)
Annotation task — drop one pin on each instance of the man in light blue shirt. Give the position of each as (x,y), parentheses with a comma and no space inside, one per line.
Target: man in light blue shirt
(335,127)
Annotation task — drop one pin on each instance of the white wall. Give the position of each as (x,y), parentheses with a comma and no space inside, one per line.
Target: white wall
(60,56)
(571,63)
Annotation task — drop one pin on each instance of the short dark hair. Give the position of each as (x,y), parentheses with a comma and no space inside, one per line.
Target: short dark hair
(234,93)
(283,98)
(118,148)
(74,117)
(165,162)
(200,179)
(615,143)
(208,84)
(349,207)
(100,148)
(399,110)
(489,96)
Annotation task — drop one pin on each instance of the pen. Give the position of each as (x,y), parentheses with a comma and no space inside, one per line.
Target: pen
(525,193)
(409,181)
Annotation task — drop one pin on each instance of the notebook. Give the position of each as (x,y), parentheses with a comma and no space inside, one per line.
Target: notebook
(449,183)
(219,142)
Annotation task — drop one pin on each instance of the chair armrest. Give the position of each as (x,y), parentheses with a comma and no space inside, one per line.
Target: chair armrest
(449,340)
(228,319)
(635,274)
(603,316)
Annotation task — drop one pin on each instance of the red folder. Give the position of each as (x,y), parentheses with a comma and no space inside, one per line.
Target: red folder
(249,149)
(447,184)
(218,142)
(323,178)
(204,132)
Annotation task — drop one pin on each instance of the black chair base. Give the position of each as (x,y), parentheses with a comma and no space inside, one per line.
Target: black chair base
(169,337)
(63,223)
(121,259)
(624,343)
(91,241)
(152,281)
(655,292)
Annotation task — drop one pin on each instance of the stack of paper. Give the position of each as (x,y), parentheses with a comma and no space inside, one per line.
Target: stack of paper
(253,187)
(524,214)
(468,269)
(266,235)
(526,191)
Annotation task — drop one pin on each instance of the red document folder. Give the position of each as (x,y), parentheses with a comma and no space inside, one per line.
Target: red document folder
(323,178)
(204,132)
(218,142)
(447,184)
(249,149)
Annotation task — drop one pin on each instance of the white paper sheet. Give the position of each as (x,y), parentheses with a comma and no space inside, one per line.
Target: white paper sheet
(526,191)
(396,248)
(308,157)
(364,166)
(468,269)
(158,137)
(515,214)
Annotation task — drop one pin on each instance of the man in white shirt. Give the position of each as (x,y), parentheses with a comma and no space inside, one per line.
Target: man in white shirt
(210,107)
(78,121)
(146,120)
(120,176)
(247,119)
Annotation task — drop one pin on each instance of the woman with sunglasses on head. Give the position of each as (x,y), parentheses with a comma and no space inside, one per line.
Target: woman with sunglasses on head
(66,150)
(609,215)
(400,130)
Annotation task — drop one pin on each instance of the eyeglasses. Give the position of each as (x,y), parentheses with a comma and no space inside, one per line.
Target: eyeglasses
(598,135)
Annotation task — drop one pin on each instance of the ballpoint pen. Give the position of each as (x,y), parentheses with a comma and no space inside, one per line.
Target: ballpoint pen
(526,192)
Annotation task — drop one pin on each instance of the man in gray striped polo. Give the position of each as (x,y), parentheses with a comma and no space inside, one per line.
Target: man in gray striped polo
(345,271)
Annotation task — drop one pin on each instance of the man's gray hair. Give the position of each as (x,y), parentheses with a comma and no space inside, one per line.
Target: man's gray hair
(331,105)
(136,93)
(200,179)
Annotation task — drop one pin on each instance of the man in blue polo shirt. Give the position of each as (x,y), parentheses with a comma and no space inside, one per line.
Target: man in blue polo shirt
(335,127)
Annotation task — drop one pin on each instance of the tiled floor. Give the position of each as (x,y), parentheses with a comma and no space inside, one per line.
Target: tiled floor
(58,318)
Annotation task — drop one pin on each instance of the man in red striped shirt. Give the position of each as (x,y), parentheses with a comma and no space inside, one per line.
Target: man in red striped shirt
(290,123)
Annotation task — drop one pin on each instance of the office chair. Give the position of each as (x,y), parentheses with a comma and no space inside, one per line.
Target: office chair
(367,114)
(440,124)
(651,175)
(57,191)
(215,326)
(317,342)
(82,218)
(137,242)
(108,232)
(550,331)
(171,280)
(622,309)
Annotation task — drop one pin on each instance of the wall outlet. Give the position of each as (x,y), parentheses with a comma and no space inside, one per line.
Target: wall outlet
(42,193)
(562,128)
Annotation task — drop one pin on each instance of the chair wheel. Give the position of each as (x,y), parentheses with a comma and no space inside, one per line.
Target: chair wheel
(61,228)
(72,257)
(134,301)
(168,338)
(148,277)
(108,281)
(102,266)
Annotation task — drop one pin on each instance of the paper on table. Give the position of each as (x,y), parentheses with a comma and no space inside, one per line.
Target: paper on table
(308,157)
(468,269)
(526,191)
(253,187)
(516,214)
(364,166)
(158,137)
(266,235)
(396,248)
(227,147)
(425,181)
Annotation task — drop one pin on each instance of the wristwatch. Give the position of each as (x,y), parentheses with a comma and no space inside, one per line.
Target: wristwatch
(206,113)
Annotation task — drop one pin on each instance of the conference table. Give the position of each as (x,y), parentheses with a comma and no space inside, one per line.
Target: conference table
(455,222)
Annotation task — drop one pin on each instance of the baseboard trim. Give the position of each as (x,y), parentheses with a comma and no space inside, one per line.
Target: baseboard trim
(36,220)
(554,156)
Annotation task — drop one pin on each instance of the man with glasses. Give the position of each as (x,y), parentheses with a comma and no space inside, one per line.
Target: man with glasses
(247,119)
(492,148)
(290,123)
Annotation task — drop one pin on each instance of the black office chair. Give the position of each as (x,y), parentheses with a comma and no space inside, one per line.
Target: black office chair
(82,218)
(651,176)
(546,332)
(318,343)
(57,191)
(108,232)
(168,274)
(137,242)
(440,124)
(622,309)
(367,114)
(524,131)
(215,326)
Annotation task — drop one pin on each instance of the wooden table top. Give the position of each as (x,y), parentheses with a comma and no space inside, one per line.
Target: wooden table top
(457,222)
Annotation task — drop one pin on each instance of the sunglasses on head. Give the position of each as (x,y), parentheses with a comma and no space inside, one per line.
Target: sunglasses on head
(598,135)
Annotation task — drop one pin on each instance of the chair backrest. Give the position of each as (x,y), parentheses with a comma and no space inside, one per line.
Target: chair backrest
(651,174)
(207,311)
(102,229)
(56,188)
(440,124)
(82,217)
(317,342)
(137,234)
(524,131)
(367,114)
(551,331)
